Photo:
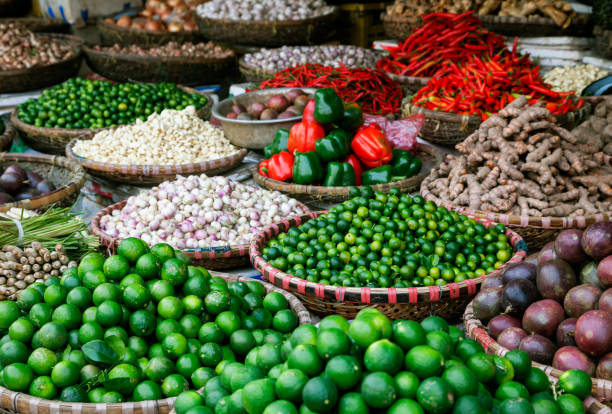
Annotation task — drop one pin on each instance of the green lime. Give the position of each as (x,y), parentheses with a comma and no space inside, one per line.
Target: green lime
(289,385)
(406,384)
(182,257)
(268,355)
(156,350)
(383,355)
(468,404)
(187,400)
(136,296)
(280,407)
(344,371)
(142,322)
(200,376)
(193,305)
(89,263)
(174,384)
(13,351)
(331,342)
(21,330)
(217,302)
(435,395)
(204,410)
(520,362)
(93,279)
(80,297)
(485,397)
(78,357)
(106,291)
(95,396)
(67,315)
(210,354)
(55,295)
(542,395)
(190,325)
(434,323)
(576,382)
(174,345)
(196,285)
(380,320)
(227,371)
(211,332)
(305,358)
(256,287)
(161,289)
(42,361)
(132,248)
(440,341)
(159,368)
(570,404)
(545,407)
(73,393)
(117,331)
(163,251)
(511,390)
(89,372)
(124,371)
(89,314)
(165,327)
(242,341)
(468,347)
(285,321)
(131,279)
(257,395)
(263,318)
(334,322)
(174,271)
(405,406)
(228,321)
(53,335)
(353,403)
(90,331)
(274,302)
(65,373)
(245,375)
(17,376)
(424,361)
(43,387)
(170,307)
(461,380)
(516,406)
(39,315)
(378,390)
(148,266)
(116,267)
(112,397)
(482,366)
(109,313)
(28,298)
(504,371)
(364,332)
(408,334)
(304,334)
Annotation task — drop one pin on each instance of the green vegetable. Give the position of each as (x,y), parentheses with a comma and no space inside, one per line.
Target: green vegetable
(279,144)
(328,106)
(339,174)
(401,162)
(84,103)
(379,175)
(307,168)
(352,117)
(333,147)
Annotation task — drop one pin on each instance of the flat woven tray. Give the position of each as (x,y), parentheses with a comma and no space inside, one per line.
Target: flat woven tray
(41,24)
(448,301)
(39,77)
(430,157)
(410,84)
(176,69)
(68,177)
(253,73)
(112,33)
(581,26)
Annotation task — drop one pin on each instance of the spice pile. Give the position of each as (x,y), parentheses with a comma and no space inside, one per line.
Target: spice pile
(162,15)
(374,91)
(20,48)
(442,39)
(520,162)
(171,49)
(573,78)
(274,60)
(351,153)
(170,138)
(263,10)
(199,212)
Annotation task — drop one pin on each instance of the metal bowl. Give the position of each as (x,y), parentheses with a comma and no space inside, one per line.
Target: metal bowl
(253,134)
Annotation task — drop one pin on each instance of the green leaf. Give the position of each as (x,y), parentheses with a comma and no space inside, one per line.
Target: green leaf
(99,352)
(66,353)
(117,344)
(120,384)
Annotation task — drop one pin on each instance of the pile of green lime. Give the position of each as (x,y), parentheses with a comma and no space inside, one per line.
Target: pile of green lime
(374,366)
(389,240)
(140,325)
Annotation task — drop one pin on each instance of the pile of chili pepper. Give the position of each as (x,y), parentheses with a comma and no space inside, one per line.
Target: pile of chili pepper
(443,38)
(332,147)
(372,89)
(481,86)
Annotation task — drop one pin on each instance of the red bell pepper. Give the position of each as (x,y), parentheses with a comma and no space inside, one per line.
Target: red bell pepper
(351,159)
(371,146)
(303,135)
(279,167)
(308,114)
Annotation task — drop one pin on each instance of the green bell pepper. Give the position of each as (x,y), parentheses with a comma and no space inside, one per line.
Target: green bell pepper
(334,146)
(279,144)
(379,175)
(352,117)
(328,106)
(415,167)
(307,168)
(339,174)
(405,164)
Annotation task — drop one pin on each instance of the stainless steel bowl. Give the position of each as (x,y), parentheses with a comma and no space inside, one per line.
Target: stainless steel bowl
(253,134)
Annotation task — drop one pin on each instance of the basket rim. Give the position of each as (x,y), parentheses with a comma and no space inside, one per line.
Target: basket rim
(155,33)
(130,57)
(428,293)
(77,179)
(8,135)
(403,79)
(301,189)
(210,253)
(544,222)
(579,19)
(152,170)
(264,23)
(71,40)
(442,115)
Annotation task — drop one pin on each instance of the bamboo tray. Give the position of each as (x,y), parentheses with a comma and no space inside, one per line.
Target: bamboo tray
(581,26)
(399,28)
(38,77)
(112,33)
(176,69)
(269,33)
(55,140)
(68,177)
(410,84)
(6,138)
(253,73)
(152,174)
(40,24)
(223,257)
(415,303)
(430,157)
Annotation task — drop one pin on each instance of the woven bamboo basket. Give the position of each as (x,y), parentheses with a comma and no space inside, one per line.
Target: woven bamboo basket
(68,177)
(536,231)
(264,33)
(581,26)
(475,329)
(55,140)
(430,157)
(41,24)
(177,69)
(111,33)
(152,174)
(410,84)
(38,77)
(253,73)
(6,138)
(224,257)
(399,28)
(414,303)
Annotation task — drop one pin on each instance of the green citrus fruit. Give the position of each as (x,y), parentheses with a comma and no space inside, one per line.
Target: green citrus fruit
(21,330)
(378,390)
(53,335)
(159,368)
(257,395)
(80,297)
(383,355)
(142,322)
(344,371)
(174,271)
(55,295)
(65,373)
(461,380)
(174,384)
(136,296)
(174,345)
(424,361)
(289,385)
(93,279)
(187,400)
(132,248)
(408,334)
(161,289)
(352,403)
(576,382)
(305,358)
(43,387)
(435,395)
(116,267)
(13,351)
(406,384)
(170,307)
(89,263)
(305,334)
(163,251)
(274,302)
(109,313)
(39,315)
(67,315)
(42,361)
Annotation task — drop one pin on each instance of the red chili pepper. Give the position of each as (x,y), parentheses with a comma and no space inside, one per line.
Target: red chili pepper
(371,146)
(303,135)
